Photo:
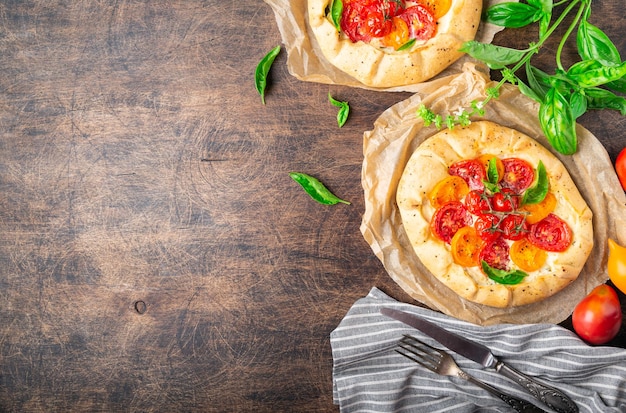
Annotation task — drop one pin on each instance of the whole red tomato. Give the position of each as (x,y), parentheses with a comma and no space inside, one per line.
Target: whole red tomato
(598,317)
(620,167)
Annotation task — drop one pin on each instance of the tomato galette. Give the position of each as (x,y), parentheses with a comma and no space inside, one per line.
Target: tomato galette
(494,215)
(387,43)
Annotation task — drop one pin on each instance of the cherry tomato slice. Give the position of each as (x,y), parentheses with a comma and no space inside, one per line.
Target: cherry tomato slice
(514,227)
(477,202)
(438,7)
(537,212)
(518,174)
(421,22)
(451,188)
(487,226)
(496,254)
(505,201)
(527,256)
(471,170)
(399,34)
(466,246)
(364,20)
(551,234)
(449,219)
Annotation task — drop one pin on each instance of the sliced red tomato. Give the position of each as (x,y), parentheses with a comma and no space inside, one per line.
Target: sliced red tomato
(551,234)
(363,20)
(487,226)
(514,227)
(527,256)
(496,254)
(448,219)
(451,188)
(477,202)
(471,170)
(466,246)
(421,22)
(518,175)
(505,201)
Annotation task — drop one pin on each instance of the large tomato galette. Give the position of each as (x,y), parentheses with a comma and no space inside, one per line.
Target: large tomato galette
(494,215)
(387,43)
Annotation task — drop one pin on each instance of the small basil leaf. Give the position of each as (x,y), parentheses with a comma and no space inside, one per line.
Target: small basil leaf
(578,103)
(598,98)
(407,45)
(496,57)
(262,69)
(336,9)
(557,122)
(492,171)
(594,44)
(527,91)
(316,189)
(539,190)
(344,110)
(512,15)
(537,81)
(503,276)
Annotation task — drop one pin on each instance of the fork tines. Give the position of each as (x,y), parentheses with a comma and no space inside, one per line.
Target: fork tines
(420,352)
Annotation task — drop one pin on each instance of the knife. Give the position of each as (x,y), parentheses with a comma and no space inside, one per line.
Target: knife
(553,398)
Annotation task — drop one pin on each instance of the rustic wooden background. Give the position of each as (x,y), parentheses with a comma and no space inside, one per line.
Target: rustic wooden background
(155,256)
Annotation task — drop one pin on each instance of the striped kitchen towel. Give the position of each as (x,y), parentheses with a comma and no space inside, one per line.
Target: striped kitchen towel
(369,376)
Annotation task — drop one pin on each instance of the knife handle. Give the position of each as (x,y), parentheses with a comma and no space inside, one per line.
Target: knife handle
(553,398)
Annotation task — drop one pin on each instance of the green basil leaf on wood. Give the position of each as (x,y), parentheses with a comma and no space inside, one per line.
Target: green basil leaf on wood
(496,57)
(591,73)
(344,110)
(262,69)
(598,98)
(594,44)
(503,276)
(316,189)
(557,122)
(512,15)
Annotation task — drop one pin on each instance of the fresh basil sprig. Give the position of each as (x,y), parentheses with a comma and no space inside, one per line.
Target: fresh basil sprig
(567,93)
(262,69)
(316,189)
(503,276)
(344,110)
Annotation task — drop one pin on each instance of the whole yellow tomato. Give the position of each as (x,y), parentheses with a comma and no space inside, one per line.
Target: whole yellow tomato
(617,265)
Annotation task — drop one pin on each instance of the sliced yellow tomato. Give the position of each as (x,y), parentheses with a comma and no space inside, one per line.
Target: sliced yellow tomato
(451,188)
(399,34)
(527,256)
(484,159)
(465,246)
(537,212)
(617,265)
(438,7)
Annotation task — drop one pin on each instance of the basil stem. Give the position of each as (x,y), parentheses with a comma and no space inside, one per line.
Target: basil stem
(503,276)
(344,110)
(262,69)
(316,189)
(537,192)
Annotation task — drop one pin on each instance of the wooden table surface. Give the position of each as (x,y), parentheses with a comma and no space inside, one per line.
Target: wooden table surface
(155,256)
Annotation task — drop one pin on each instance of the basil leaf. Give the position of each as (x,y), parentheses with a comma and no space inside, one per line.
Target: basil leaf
(537,82)
(496,57)
(594,44)
(618,85)
(492,171)
(537,192)
(512,15)
(503,276)
(316,189)
(344,110)
(598,98)
(578,103)
(336,9)
(557,122)
(262,69)
(590,73)
(407,45)
(528,91)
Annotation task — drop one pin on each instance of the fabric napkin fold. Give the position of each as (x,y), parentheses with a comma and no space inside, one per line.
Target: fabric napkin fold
(369,376)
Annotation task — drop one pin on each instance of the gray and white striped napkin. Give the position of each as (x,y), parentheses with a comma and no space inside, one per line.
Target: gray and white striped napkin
(369,376)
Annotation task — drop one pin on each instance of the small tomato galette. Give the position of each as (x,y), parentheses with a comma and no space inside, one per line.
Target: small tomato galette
(387,43)
(494,215)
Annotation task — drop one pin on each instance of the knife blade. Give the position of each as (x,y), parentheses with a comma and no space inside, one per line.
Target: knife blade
(552,397)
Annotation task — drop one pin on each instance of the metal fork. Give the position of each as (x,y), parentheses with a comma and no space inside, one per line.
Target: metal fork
(440,362)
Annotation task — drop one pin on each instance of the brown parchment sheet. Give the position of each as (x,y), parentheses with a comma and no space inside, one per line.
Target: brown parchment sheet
(305,60)
(396,134)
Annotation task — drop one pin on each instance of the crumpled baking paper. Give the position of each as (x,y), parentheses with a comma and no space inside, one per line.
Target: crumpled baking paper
(396,134)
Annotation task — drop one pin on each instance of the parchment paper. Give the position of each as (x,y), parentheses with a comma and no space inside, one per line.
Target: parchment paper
(397,133)
(306,62)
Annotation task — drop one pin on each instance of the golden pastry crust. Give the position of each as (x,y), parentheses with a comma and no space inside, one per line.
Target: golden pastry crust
(429,164)
(376,67)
